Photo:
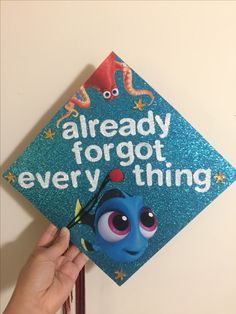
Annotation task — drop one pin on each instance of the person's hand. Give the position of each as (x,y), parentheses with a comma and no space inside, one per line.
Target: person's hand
(49,275)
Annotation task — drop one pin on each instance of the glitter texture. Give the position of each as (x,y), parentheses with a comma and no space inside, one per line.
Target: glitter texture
(174,206)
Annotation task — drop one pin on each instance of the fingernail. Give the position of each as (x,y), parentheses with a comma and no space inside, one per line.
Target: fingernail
(63,232)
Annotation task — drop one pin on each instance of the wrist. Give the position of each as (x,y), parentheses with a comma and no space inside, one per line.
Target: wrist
(19,305)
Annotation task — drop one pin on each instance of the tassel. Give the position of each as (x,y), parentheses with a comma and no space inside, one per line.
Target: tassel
(115,175)
(80,293)
(79,296)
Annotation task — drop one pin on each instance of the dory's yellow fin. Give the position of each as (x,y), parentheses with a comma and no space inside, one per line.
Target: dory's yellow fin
(83,243)
(77,209)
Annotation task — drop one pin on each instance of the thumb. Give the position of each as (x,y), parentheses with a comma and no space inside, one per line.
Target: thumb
(60,245)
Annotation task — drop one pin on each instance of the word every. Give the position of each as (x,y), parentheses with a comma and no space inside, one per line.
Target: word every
(59,179)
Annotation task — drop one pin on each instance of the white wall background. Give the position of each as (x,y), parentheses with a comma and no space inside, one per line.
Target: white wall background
(187,51)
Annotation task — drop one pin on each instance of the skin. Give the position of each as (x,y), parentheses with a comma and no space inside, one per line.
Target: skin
(48,277)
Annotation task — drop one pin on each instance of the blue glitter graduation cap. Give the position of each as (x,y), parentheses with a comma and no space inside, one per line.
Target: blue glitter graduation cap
(121,168)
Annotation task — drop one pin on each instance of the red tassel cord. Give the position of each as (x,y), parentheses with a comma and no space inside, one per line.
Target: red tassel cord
(79,296)
(80,293)
(115,175)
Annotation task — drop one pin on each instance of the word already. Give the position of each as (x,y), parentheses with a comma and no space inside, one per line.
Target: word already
(125,127)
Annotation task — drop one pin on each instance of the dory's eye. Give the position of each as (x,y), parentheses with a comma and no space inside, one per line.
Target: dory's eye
(113,226)
(115,92)
(148,223)
(106,94)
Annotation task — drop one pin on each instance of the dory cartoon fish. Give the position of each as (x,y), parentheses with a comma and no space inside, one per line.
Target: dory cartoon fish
(122,223)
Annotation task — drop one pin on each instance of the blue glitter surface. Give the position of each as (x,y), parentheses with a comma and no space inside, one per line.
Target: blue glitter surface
(174,206)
